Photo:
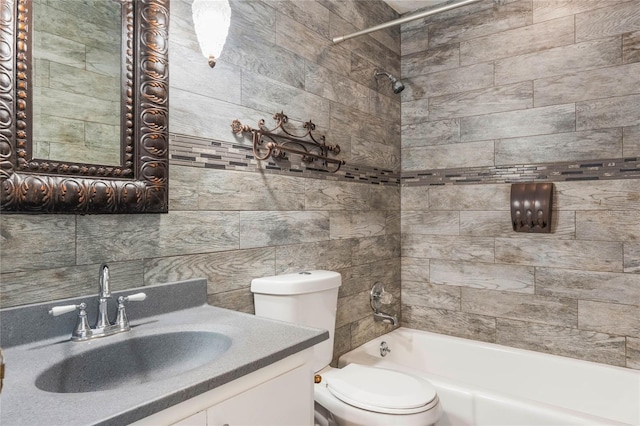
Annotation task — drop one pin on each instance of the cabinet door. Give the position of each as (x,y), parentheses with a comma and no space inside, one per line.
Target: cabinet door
(198,419)
(286,400)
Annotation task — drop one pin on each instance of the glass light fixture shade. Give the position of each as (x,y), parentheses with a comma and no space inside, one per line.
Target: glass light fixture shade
(211,19)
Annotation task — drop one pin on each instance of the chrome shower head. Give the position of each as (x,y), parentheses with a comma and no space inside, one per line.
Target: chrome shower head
(396,84)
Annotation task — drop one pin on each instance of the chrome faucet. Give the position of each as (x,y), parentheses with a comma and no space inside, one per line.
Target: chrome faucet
(380,297)
(104,294)
(82,331)
(389,319)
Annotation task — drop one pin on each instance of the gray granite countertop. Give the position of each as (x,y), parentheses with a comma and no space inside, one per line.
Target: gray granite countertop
(255,343)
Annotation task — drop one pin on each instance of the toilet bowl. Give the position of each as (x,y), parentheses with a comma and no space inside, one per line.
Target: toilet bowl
(355,395)
(358,395)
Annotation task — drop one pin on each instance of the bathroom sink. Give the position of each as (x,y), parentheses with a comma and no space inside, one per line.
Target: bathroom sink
(133,361)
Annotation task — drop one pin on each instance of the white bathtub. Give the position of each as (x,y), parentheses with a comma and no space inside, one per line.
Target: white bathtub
(487,384)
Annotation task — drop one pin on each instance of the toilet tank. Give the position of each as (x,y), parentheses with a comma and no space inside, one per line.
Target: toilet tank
(306,298)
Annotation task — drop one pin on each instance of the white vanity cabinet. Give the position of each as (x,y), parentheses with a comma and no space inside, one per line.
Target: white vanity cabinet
(280,394)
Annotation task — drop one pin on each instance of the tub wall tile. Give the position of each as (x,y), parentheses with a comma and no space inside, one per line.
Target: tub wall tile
(633,353)
(545,10)
(570,146)
(609,112)
(483,101)
(367,329)
(631,141)
(431,222)
(607,21)
(341,343)
(385,198)
(604,195)
(512,15)
(448,247)
(530,122)
(608,225)
(518,41)
(538,309)
(449,81)
(585,85)
(415,197)
(430,295)
(429,133)
(470,197)
(589,285)
(415,112)
(431,60)
(414,269)
(609,318)
(560,60)
(564,341)
(454,323)
(498,224)
(353,308)
(632,257)
(442,156)
(591,255)
(509,278)
(631,47)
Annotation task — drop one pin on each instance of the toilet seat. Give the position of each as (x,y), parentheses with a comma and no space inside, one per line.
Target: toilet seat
(381,390)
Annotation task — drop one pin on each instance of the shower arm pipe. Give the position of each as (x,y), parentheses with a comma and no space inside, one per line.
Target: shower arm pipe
(400,21)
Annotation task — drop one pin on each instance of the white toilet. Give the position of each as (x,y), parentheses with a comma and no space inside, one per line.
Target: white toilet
(355,395)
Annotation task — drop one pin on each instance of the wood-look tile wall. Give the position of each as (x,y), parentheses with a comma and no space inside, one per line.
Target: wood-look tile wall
(513,83)
(232,226)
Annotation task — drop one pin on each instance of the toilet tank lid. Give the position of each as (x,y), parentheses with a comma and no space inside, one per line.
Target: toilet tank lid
(297,283)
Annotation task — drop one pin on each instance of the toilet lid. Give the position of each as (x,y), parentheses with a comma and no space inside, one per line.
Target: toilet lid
(381,390)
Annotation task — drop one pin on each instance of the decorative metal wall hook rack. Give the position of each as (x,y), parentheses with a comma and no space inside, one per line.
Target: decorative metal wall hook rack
(277,144)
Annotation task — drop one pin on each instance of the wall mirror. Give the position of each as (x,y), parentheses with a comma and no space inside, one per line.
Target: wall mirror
(84,106)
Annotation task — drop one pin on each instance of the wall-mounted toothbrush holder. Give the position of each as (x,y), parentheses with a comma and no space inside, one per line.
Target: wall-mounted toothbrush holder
(531,207)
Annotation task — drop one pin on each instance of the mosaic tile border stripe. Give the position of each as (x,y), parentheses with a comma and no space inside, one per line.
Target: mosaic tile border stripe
(214,154)
(617,168)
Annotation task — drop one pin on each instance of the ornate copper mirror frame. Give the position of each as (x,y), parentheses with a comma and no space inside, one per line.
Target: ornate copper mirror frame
(140,183)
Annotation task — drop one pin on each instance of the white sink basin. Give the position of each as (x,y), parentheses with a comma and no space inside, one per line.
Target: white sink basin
(133,361)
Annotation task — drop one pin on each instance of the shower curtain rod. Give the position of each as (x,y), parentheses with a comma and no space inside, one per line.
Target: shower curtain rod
(399,21)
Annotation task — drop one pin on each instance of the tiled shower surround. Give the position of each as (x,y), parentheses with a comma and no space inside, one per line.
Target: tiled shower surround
(511,91)
(496,92)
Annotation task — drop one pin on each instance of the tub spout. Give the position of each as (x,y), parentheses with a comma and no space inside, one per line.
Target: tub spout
(389,319)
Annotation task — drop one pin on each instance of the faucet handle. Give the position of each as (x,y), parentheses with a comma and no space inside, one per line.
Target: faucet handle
(121,320)
(60,310)
(137,297)
(81,331)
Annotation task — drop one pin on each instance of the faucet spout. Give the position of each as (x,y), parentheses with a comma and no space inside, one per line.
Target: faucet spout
(104,293)
(390,319)
(103,281)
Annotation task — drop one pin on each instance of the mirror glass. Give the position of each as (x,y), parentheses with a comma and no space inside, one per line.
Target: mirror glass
(77,76)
